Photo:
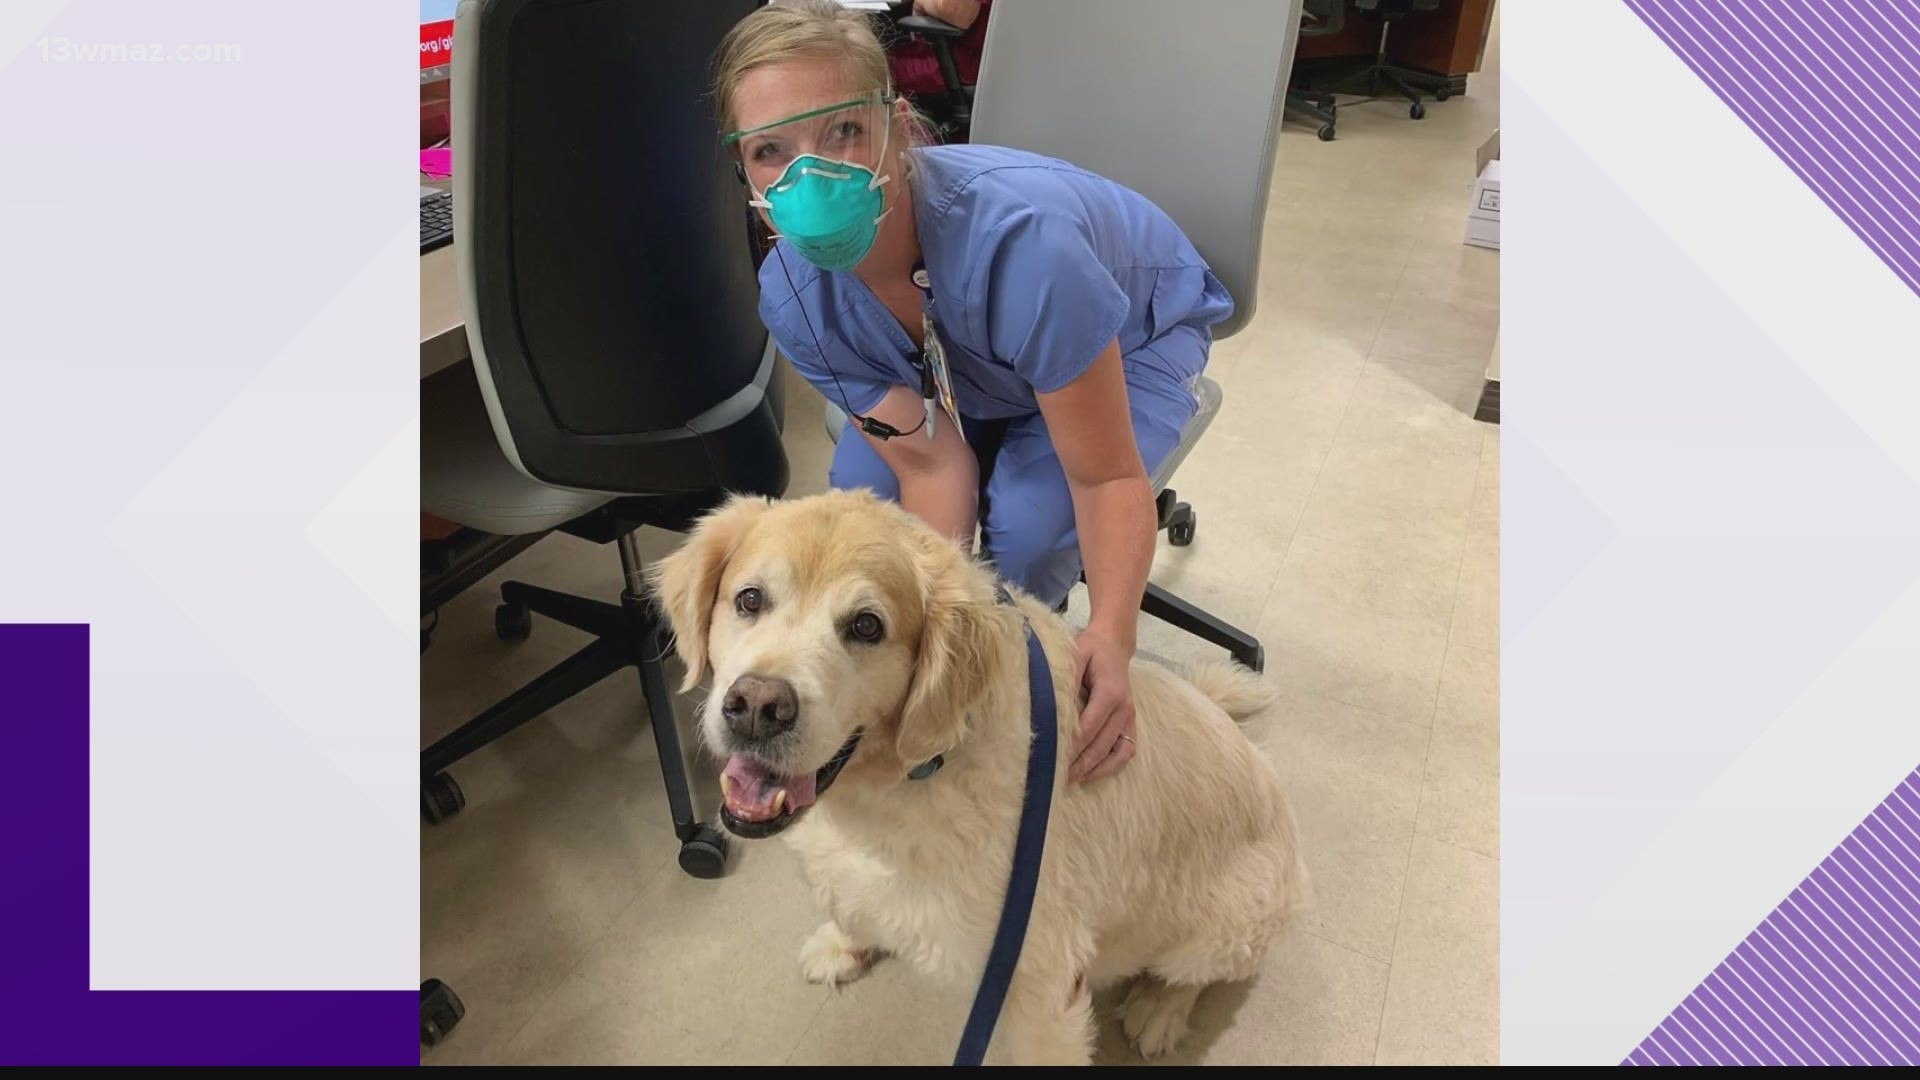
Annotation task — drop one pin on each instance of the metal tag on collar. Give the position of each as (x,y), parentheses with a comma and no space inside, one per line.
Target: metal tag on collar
(927,768)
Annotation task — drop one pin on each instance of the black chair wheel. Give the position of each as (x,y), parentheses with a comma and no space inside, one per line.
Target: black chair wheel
(1180,532)
(1255,661)
(1418,111)
(513,622)
(440,1011)
(704,854)
(1443,93)
(440,798)
(1326,132)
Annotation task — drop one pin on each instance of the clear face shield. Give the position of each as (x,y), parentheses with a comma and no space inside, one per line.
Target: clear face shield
(819,176)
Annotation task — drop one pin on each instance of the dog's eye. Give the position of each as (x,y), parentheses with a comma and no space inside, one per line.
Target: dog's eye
(749,602)
(867,627)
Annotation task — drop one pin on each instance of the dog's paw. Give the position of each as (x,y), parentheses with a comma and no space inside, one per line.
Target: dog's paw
(830,957)
(1156,1016)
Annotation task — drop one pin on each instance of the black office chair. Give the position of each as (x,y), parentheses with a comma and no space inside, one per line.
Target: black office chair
(1318,18)
(952,111)
(1328,17)
(621,376)
(611,305)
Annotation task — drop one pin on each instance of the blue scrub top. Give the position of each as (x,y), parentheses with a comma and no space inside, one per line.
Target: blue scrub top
(1035,265)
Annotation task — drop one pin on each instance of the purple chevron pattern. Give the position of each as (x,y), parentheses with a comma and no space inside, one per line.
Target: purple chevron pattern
(1833,87)
(1832,977)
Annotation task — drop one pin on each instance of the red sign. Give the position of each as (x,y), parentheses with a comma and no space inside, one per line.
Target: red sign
(436,43)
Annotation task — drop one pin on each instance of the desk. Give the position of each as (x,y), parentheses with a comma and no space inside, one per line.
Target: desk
(443,329)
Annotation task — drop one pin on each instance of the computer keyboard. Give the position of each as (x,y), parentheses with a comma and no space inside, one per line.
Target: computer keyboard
(436,221)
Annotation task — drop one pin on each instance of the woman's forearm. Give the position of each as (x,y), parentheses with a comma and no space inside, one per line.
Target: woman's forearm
(1117,524)
(947,498)
(939,478)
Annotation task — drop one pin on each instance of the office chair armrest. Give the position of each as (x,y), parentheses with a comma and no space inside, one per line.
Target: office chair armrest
(1321,17)
(933,28)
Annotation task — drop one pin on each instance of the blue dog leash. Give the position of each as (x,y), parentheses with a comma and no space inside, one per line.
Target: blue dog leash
(1028,845)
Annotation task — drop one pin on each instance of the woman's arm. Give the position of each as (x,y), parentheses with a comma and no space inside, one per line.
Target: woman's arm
(1092,428)
(939,478)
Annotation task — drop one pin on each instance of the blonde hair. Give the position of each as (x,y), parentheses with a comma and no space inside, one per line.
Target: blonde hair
(804,29)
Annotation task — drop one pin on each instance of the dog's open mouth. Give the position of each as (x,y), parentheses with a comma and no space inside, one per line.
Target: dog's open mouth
(760,802)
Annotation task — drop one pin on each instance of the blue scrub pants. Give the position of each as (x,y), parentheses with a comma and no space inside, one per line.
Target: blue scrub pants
(1027,509)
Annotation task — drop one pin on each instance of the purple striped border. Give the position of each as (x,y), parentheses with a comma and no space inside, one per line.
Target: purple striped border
(1832,977)
(1833,87)
(48,1016)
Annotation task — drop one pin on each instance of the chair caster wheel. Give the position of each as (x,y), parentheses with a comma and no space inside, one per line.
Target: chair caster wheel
(1255,661)
(440,798)
(1443,94)
(704,854)
(1180,532)
(512,622)
(1418,111)
(440,1011)
(1326,132)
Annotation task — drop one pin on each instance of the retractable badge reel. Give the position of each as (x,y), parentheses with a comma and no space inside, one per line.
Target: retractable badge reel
(936,380)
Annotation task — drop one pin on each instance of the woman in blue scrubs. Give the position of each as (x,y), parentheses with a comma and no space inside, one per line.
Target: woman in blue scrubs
(1058,317)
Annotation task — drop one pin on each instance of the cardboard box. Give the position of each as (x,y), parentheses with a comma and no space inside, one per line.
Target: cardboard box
(1483,216)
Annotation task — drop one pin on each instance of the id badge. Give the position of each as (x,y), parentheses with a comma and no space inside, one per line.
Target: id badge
(942,377)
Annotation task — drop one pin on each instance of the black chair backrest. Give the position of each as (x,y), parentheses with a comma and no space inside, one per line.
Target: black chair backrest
(610,287)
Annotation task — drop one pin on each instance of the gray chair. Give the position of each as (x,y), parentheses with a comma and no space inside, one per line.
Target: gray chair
(1182,103)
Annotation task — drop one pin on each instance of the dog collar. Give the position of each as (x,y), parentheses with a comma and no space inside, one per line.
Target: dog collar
(933,764)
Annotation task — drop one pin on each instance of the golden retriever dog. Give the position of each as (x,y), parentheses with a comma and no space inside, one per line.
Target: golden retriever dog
(849,644)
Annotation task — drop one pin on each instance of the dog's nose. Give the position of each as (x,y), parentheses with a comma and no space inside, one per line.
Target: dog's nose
(757,707)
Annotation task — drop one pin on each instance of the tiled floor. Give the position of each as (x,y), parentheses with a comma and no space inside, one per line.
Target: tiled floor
(1348,511)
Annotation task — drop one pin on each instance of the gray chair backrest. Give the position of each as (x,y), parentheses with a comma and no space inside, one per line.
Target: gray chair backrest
(1180,101)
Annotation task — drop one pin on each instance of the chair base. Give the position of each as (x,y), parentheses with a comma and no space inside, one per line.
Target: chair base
(1381,78)
(1172,610)
(1317,107)
(625,635)
(1168,608)
(1181,523)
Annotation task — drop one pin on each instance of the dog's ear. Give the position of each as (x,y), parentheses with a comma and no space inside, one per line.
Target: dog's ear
(960,654)
(686,584)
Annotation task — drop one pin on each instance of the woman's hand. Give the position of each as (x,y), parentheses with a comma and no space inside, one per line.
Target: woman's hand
(1104,743)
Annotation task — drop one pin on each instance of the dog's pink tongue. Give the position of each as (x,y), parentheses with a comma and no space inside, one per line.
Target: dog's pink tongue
(754,793)
(802,790)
